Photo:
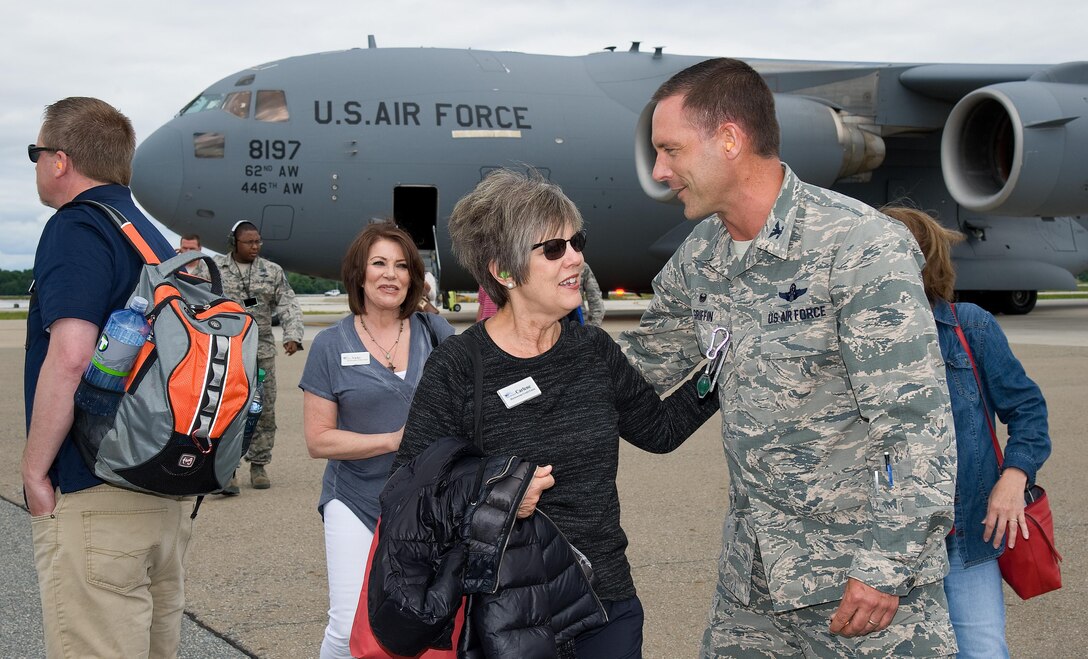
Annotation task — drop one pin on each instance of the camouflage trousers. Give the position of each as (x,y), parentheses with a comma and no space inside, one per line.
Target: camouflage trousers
(264,437)
(921,627)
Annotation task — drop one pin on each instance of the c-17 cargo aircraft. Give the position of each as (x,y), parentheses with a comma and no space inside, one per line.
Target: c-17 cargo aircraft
(312,148)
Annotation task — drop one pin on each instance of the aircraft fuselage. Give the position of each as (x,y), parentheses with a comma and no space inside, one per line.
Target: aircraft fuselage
(311,148)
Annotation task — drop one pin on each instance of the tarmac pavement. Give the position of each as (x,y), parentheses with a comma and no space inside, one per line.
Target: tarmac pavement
(256,572)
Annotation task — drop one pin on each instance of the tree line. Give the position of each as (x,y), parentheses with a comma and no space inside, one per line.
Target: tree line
(17,283)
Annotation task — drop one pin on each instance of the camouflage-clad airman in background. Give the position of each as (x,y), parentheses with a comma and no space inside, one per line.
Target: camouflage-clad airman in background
(835,415)
(261,287)
(593,307)
(190,242)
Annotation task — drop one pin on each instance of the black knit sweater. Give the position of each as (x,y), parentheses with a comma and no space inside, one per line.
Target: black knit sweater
(590,397)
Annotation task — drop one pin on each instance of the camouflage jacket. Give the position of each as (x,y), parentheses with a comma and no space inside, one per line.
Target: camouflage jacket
(593,308)
(199,269)
(833,365)
(266,284)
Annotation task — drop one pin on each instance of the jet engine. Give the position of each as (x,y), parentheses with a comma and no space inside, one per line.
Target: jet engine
(820,144)
(1017,148)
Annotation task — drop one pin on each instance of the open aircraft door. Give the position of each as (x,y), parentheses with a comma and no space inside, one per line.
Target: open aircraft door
(415,209)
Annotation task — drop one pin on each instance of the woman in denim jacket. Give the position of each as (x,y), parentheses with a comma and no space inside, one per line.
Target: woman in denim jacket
(986,505)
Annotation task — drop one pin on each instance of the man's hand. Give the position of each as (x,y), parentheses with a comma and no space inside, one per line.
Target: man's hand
(542,480)
(291,347)
(863,610)
(40,496)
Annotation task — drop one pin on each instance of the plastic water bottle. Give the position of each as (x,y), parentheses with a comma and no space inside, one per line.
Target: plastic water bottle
(256,406)
(124,334)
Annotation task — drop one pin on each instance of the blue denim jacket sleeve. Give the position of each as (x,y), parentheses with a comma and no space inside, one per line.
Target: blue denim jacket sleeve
(1010,393)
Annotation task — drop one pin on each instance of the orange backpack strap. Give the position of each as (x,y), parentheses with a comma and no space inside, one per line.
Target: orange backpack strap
(128,230)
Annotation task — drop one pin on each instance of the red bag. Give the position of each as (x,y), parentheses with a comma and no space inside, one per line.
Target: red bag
(1032,567)
(364,645)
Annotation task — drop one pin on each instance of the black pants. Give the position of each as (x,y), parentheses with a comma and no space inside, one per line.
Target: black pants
(621,638)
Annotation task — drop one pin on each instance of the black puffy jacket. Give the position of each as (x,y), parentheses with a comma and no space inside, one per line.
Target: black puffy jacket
(449,529)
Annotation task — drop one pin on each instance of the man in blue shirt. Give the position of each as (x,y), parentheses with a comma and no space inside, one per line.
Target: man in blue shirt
(109,560)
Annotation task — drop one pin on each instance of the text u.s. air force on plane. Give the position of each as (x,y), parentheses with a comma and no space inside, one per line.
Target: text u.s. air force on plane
(408,113)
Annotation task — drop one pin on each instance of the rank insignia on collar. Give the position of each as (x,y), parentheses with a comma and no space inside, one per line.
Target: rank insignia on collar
(777,231)
(793,293)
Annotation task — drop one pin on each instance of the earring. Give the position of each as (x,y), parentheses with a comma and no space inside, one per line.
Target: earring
(510,284)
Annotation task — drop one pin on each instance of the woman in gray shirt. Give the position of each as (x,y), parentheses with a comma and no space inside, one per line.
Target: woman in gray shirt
(359,380)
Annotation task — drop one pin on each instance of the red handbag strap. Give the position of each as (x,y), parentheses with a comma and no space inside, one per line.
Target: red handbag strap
(981,392)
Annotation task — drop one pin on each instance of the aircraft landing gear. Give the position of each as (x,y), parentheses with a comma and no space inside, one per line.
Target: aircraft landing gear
(1013,303)
(1016,303)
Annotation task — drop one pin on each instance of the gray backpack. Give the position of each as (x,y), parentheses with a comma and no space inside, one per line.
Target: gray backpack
(179,427)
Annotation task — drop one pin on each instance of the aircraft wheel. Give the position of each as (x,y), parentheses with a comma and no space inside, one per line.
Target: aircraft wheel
(456,307)
(1016,303)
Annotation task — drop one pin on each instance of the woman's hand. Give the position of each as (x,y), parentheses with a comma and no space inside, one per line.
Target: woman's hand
(1006,509)
(542,480)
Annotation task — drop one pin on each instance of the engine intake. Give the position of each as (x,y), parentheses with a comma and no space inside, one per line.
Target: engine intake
(1017,148)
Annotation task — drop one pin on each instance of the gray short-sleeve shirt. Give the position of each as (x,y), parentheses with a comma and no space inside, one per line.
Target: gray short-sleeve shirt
(369,399)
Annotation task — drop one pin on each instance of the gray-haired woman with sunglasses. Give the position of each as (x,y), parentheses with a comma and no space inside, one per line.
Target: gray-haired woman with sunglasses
(556,393)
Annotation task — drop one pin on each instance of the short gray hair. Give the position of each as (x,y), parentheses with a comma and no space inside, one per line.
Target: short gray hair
(501,219)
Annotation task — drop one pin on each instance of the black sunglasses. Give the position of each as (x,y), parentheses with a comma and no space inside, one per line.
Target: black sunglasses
(36,151)
(557,247)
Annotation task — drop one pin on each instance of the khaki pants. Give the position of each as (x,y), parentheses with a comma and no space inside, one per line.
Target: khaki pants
(111,573)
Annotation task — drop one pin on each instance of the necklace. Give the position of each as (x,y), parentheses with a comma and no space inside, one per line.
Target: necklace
(388,353)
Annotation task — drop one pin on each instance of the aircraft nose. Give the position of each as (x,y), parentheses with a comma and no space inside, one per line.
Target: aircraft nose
(157,173)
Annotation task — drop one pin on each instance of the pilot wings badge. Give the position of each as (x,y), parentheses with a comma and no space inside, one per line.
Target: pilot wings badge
(793,293)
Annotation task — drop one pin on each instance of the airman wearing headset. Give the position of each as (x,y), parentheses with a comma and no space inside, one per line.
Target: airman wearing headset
(261,287)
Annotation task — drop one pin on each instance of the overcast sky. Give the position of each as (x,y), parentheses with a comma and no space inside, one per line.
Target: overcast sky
(150,58)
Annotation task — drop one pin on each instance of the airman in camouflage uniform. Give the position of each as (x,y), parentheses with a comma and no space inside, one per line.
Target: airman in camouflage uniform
(261,287)
(190,242)
(835,414)
(592,300)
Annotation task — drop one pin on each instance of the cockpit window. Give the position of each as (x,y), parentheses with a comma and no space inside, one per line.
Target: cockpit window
(236,103)
(209,145)
(272,105)
(202,103)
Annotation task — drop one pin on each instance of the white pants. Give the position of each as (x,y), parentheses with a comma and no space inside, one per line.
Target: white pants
(347,545)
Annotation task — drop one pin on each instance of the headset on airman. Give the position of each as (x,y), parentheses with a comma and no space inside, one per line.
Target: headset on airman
(232,237)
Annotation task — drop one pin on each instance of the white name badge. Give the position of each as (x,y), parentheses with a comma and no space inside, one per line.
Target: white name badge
(354,358)
(518,393)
